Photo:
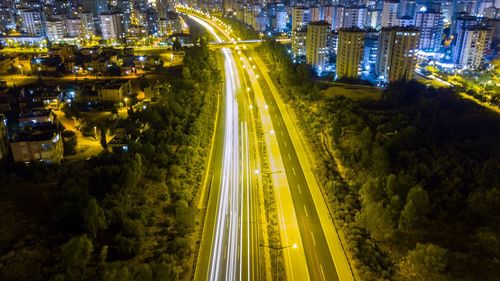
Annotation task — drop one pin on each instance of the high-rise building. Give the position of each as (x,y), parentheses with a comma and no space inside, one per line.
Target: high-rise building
(373,18)
(355,17)
(492,12)
(261,22)
(33,22)
(96,7)
(301,16)
(470,54)
(389,13)
(316,44)
(7,19)
(56,30)
(299,42)
(431,30)
(74,27)
(281,19)
(459,25)
(316,13)
(350,52)
(370,51)
(112,26)
(335,16)
(447,10)
(406,21)
(407,8)
(87,23)
(397,50)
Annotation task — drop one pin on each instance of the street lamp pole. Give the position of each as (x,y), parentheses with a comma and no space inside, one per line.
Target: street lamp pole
(277,249)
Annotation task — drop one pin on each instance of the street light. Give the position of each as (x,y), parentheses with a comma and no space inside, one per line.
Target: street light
(126,101)
(20,68)
(277,249)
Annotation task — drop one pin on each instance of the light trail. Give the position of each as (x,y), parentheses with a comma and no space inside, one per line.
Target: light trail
(227,259)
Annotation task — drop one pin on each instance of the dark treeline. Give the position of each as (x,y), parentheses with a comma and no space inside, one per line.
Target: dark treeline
(413,179)
(114,216)
(241,30)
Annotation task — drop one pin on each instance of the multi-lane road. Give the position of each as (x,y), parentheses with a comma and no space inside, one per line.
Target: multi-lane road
(229,233)
(233,249)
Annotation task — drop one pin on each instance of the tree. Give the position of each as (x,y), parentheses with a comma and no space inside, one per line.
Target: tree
(166,271)
(381,161)
(69,141)
(76,254)
(336,130)
(425,262)
(417,206)
(94,218)
(366,138)
(176,46)
(390,185)
(143,273)
(372,191)
(103,137)
(377,220)
(485,205)
(116,274)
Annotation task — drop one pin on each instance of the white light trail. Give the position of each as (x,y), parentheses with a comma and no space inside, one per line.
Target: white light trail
(228,234)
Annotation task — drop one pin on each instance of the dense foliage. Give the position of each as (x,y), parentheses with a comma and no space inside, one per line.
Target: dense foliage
(116,216)
(240,29)
(412,179)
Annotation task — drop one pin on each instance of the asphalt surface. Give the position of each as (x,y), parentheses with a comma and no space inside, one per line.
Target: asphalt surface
(319,259)
(229,233)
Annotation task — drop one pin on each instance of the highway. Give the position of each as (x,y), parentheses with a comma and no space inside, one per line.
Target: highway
(319,261)
(229,236)
(304,219)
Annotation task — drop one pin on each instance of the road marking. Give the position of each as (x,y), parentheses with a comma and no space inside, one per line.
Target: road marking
(286,145)
(314,240)
(289,157)
(300,191)
(322,273)
(305,210)
(281,132)
(279,124)
(293,170)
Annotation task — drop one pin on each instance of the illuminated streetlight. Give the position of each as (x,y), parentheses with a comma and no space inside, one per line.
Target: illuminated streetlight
(277,249)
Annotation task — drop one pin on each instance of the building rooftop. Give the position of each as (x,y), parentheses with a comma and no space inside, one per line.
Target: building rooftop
(35,132)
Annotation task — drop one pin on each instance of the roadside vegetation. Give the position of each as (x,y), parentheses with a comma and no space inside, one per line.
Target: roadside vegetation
(481,86)
(411,178)
(126,216)
(240,29)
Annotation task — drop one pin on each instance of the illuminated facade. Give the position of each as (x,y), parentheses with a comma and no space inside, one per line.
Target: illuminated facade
(316,44)
(431,30)
(475,42)
(397,50)
(112,26)
(350,53)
